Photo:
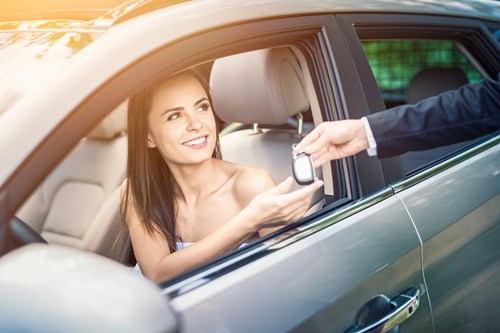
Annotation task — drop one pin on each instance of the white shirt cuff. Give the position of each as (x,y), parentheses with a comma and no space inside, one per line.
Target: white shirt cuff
(372,149)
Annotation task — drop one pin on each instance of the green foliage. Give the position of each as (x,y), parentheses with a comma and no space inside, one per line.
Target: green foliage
(395,62)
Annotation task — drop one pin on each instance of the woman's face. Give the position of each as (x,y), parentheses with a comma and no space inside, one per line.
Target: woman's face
(181,123)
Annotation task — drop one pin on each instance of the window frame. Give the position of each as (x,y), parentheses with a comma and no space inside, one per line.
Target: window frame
(311,35)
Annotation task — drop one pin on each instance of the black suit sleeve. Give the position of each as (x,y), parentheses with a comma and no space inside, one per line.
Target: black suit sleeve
(457,115)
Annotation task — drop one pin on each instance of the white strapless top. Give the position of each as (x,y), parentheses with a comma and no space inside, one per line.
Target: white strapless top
(181,245)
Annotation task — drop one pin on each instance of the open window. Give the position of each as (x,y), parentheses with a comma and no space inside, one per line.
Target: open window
(268,92)
(266,100)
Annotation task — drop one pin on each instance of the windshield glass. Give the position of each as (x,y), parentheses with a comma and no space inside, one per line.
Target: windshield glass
(31,53)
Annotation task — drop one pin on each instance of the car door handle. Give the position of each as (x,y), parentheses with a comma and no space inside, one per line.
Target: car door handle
(382,315)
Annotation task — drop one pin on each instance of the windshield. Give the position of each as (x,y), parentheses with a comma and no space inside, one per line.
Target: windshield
(31,53)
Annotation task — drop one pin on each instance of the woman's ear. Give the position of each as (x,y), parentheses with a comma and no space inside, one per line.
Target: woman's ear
(151,142)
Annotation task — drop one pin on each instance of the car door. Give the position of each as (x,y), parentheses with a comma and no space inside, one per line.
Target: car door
(340,267)
(452,193)
(456,212)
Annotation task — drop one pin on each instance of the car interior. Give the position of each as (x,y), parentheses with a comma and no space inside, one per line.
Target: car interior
(426,83)
(78,204)
(276,77)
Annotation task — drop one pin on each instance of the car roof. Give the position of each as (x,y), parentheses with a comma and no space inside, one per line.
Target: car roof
(486,9)
(111,12)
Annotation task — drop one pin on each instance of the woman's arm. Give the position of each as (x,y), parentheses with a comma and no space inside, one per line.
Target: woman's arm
(250,183)
(272,208)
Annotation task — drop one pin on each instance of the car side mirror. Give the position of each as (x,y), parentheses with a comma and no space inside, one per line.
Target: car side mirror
(54,288)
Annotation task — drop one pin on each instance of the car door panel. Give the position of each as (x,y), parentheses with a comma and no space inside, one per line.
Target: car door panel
(317,283)
(457,215)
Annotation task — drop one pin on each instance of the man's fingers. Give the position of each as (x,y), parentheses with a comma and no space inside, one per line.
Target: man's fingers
(308,139)
(319,144)
(320,160)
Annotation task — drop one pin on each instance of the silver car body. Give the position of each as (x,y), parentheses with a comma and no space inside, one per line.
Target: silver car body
(437,231)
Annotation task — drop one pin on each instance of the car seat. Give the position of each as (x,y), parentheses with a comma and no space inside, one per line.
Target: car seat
(264,89)
(79,203)
(433,81)
(426,83)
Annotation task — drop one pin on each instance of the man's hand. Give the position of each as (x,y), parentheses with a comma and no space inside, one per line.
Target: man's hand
(334,140)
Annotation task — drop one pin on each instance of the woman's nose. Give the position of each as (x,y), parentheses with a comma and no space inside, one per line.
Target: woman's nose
(194,123)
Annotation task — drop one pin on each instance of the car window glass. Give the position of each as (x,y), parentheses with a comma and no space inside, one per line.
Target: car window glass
(408,71)
(77,204)
(395,63)
(496,34)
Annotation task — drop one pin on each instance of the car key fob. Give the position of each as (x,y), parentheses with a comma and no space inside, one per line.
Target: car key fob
(303,169)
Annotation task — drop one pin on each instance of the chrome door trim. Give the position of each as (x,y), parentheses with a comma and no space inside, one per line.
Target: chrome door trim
(425,174)
(307,229)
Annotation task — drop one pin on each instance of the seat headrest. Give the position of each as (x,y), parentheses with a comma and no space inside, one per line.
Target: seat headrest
(434,81)
(112,125)
(264,86)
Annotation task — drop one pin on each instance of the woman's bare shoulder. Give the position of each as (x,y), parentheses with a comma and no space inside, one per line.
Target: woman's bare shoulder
(250,181)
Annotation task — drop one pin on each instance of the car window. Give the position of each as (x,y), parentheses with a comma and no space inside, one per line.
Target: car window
(84,187)
(77,204)
(395,63)
(407,71)
(78,188)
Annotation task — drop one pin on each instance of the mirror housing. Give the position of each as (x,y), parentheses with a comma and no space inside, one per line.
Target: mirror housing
(50,288)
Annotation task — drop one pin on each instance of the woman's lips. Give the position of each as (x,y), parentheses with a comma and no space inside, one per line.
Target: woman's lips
(196,143)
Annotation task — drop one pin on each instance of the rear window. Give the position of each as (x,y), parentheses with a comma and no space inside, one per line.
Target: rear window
(396,62)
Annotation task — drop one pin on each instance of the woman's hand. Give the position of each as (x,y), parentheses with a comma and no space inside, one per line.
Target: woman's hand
(276,207)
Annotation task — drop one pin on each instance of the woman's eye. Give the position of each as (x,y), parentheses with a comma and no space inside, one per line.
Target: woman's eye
(204,107)
(173,116)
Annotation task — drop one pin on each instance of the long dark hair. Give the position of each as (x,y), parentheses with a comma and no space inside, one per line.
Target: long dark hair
(150,183)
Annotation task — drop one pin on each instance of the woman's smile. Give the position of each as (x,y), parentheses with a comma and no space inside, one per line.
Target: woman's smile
(197,143)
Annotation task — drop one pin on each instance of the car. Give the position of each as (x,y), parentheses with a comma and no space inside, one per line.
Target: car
(406,244)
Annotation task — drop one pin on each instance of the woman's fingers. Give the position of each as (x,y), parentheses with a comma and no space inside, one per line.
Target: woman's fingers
(281,188)
(305,192)
(296,203)
(277,206)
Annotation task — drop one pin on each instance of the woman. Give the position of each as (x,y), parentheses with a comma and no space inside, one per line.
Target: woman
(180,192)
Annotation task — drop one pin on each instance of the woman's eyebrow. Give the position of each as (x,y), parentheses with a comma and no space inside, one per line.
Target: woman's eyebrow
(178,108)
